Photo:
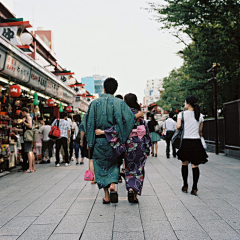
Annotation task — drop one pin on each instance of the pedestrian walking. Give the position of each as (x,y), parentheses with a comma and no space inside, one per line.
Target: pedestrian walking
(74,145)
(47,142)
(103,113)
(70,144)
(191,150)
(64,139)
(135,150)
(154,136)
(169,128)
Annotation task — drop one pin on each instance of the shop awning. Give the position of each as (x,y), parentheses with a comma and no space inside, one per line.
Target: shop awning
(25,71)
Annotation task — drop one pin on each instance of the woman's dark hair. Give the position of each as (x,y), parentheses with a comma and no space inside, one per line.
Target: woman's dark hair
(119,96)
(193,102)
(110,85)
(148,115)
(77,118)
(131,101)
(153,118)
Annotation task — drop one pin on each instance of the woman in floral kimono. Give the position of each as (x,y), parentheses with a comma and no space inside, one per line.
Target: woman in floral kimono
(134,151)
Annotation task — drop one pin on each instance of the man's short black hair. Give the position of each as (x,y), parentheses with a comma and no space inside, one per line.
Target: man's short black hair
(171,114)
(63,115)
(25,109)
(110,85)
(47,122)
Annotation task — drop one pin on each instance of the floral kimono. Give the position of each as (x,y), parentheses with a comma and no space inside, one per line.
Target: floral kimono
(134,151)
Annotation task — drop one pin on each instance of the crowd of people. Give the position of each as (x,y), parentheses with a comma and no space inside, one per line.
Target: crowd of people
(114,133)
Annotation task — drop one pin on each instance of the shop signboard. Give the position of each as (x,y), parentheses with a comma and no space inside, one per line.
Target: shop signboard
(52,88)
(49,87)
(68,96)
(38,81)
(16,69)
(83,106)
(60,92)
(64,78)
(55,87)
(2,59)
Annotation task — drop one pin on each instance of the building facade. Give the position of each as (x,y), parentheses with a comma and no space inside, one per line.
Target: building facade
(94,84)
(152,91)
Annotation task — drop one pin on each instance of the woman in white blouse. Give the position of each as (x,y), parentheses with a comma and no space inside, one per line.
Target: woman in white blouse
(191,150)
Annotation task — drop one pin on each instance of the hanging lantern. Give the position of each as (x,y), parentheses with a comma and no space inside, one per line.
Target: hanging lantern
(18,112)
(69,109)
(60,108)
(35,101)
(15,91)
(50,102)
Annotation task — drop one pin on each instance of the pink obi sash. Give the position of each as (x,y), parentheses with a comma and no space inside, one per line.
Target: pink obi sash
(140,132)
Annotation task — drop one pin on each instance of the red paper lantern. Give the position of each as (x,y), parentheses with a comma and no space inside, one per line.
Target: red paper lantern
(15,91)
(50,102)
(18,112)
(69,109)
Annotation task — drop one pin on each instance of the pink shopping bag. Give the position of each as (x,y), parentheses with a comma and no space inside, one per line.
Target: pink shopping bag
(88,175)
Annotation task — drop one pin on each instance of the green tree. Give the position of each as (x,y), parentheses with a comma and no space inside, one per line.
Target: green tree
(213,35)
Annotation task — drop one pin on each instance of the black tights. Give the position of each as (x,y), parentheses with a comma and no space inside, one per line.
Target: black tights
(196,174)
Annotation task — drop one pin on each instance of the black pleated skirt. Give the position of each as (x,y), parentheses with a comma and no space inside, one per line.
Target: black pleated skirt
(192,151)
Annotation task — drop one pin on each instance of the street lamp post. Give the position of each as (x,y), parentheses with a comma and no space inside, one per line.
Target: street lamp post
(214,69)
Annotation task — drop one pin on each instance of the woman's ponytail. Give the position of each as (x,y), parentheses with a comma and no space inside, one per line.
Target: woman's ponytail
(196,111)
(193,102)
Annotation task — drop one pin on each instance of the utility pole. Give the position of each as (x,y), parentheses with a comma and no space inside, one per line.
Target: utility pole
(214,69)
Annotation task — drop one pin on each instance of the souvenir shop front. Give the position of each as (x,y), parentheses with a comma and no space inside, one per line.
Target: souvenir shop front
(24,83)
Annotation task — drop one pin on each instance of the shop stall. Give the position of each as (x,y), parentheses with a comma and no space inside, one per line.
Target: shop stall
(22,80)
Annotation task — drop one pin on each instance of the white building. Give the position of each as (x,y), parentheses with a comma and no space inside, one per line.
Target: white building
(152,91)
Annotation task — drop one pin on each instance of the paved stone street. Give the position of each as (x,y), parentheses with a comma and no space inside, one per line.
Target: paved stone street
(56,203)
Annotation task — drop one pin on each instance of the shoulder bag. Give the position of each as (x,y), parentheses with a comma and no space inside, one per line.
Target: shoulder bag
(178,135)
(55,131)
(31,135)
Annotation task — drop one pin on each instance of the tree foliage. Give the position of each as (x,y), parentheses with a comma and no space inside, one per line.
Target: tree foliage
(213,33)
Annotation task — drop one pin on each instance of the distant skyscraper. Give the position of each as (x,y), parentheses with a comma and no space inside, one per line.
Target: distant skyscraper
(94,84)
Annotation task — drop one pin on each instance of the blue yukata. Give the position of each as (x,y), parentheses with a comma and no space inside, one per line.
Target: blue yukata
(104,113)
(134,151)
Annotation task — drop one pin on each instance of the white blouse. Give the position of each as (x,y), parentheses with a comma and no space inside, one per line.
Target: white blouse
(191,125)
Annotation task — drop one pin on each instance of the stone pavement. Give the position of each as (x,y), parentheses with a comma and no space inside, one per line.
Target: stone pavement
(56,204)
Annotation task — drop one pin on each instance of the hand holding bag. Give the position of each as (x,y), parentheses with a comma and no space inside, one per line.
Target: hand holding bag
(88,175)
(178,135)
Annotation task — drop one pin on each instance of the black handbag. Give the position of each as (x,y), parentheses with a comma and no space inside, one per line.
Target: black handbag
(178,135)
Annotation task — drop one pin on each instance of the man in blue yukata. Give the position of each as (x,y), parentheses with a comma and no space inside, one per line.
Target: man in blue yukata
(103,113)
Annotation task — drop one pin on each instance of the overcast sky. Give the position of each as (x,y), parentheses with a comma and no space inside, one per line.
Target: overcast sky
(107,37)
